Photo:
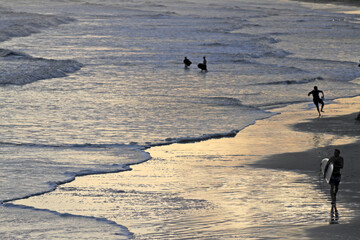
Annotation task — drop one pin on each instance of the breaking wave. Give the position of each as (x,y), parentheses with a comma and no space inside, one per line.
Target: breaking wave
(21,24)
(288,82)
(19,68)
(10,53)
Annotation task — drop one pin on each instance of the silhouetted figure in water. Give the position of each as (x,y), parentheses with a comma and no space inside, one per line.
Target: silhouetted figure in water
(317,99)
(203,65)
(187,62)
(359,64)
(338,163)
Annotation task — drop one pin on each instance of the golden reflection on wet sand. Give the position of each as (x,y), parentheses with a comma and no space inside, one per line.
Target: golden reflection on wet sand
(211,189)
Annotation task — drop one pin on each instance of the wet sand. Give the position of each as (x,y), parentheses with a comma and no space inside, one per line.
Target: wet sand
(349,193)
(263,183)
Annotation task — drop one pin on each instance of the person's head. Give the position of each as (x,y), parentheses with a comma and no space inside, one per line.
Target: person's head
(336,152)
(315,87)
(203,57)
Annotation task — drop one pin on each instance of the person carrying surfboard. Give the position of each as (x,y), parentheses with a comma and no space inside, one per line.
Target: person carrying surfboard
(203,66)
(187,62)
(338,163)
(317,99)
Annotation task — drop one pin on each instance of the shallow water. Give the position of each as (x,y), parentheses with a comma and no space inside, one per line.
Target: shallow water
(212,189)
(86,85)
(197,201)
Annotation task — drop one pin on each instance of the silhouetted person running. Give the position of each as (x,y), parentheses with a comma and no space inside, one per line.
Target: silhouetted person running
(317,99)
(338,163)
(187,62)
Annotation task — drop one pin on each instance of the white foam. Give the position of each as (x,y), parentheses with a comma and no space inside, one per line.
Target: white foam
(19,68)
(34,225)
(46,167)
(46,126)
(20,24)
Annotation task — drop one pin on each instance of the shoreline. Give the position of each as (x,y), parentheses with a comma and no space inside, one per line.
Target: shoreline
(310,141)
(307,161)
(258,137)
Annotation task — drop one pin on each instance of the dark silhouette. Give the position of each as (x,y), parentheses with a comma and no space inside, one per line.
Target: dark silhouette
(187,62)
(317,99)
(338,163)
(203,65)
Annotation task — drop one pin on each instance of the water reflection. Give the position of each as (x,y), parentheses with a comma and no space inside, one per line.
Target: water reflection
(209,190)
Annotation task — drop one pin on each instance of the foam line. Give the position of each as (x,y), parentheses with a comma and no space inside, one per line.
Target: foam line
(103,220)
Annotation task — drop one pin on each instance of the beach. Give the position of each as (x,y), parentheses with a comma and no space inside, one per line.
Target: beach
(106,135)
(343,125)
(196,190)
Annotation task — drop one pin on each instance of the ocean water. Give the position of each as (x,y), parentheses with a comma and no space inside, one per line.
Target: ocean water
(87,85)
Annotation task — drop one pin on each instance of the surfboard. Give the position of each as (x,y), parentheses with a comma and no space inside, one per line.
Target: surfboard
(327,172)
(203,67)
(187,62)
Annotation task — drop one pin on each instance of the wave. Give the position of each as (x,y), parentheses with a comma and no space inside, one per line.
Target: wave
(275,105)
(223,101)
(275,53)
(21,24)
(156,15)
(243,61)
(19,68)
(265,39)
(288,82)
(70,173)
(215,44)
(56,172)
(328,61)
(119,230)
(81,145)
(54,184)
(10,53)
(204,137)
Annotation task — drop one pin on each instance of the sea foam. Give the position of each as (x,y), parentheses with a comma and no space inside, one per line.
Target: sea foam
(19,68)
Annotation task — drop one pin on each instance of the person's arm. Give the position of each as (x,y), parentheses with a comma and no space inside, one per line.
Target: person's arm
(341,163)
(331,160)
(322,93)
(310,93)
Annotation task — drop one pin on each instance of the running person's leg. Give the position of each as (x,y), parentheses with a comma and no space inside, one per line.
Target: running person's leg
(322,104)
(316,102)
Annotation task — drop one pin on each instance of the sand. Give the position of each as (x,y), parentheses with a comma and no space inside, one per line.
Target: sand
(344,125)
(207,189)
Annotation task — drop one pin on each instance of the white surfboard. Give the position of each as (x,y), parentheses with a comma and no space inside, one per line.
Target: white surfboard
(326,172)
